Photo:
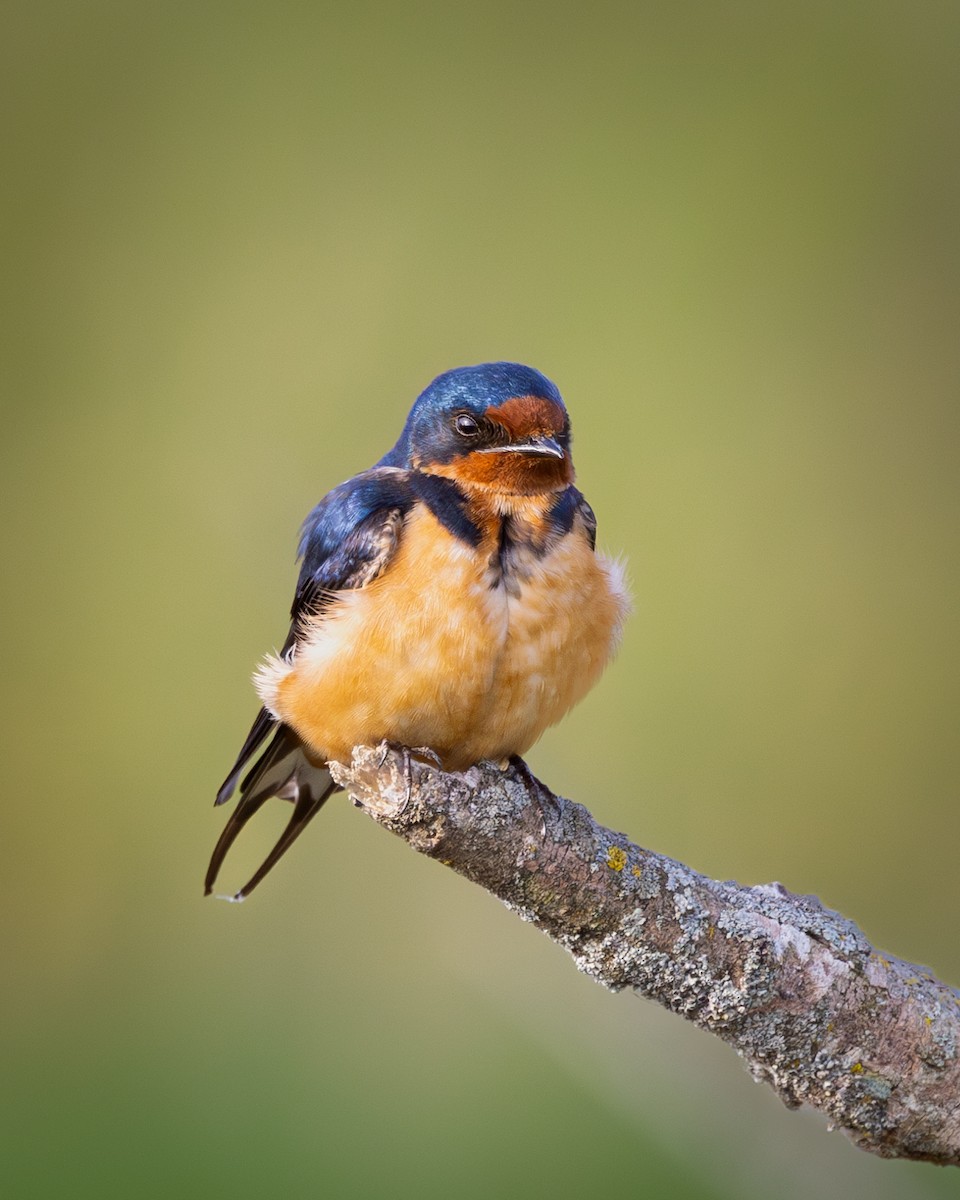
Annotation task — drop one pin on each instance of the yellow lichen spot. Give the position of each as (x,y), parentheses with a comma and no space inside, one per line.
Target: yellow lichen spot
(929,1020)
(857,1069)
(710,931)
(638,872)
(616,858)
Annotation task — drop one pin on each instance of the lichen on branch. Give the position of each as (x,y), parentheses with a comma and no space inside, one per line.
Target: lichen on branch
(797,989)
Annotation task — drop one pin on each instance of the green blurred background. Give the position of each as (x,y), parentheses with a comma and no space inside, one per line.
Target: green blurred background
(238,239)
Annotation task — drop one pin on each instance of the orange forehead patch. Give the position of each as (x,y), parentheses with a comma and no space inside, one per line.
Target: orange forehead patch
(524,416)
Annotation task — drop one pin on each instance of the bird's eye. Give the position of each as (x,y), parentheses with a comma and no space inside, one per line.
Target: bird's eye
(467,426)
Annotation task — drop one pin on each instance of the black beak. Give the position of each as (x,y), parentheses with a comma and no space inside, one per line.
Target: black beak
(536,447)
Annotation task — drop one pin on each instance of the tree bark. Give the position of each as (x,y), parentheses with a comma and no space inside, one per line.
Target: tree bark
(795,988)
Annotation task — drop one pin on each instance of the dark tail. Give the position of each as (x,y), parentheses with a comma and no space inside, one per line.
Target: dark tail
(285,770)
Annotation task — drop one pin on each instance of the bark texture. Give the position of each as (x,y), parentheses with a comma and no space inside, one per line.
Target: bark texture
(797,989)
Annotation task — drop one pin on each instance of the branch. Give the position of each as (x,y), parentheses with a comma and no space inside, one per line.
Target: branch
(798,991)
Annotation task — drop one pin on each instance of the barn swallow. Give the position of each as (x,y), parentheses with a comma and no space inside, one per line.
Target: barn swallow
(449,598)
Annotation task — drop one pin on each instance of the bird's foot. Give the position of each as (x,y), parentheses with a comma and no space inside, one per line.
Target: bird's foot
(545,800)
(408,753)
(423,753)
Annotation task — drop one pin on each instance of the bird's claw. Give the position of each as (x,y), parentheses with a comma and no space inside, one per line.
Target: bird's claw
(425,754)
(408,754)
(545,800)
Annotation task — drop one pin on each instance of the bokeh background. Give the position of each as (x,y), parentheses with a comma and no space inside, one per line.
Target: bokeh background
(238,239)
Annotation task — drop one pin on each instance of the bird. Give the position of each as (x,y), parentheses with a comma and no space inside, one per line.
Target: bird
(450,599)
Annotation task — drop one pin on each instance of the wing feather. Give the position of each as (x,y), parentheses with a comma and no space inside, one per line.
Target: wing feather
(346,542)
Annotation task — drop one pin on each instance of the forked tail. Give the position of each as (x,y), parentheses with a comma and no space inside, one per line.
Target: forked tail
(284,769)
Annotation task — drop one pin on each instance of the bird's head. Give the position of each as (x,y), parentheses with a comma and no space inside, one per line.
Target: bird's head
(497,426)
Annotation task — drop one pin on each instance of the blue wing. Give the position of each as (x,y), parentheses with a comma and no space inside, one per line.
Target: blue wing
(346,541)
